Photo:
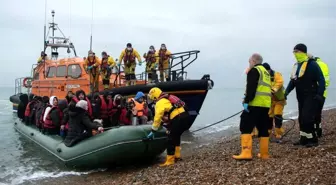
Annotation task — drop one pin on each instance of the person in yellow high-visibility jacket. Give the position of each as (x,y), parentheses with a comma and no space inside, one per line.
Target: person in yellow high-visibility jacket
(42,58)
(278,102)
(91,65)
(106,67)
(163,62)
(151,58)
(129,56)
(325,70)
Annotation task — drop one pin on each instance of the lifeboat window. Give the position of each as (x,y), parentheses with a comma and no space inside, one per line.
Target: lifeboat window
(61,71)
(51,72)
(74,71)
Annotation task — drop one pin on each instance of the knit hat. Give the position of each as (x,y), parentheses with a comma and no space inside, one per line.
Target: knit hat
(82,104)
(266,66)
(301,47)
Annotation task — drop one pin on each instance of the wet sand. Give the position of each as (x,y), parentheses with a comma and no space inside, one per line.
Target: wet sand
(211,163)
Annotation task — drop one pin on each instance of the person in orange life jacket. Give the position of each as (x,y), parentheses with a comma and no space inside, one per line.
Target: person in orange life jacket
(178,122)
(80,95)
(129,55)
(22,106)
(256,104)
(80,124)
(151,58)
(138,107)
(30,111)
(52,117)
(163,61)
(308,80)
(91,65)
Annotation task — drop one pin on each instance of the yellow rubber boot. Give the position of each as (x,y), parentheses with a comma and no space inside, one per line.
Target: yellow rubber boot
(279,132)
(178,153)
(264,141)
(169,161)
(246,151)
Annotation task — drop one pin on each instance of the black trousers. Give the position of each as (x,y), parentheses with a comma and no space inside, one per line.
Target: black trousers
(176,128)
(307,112)
(257,117)
(318,117)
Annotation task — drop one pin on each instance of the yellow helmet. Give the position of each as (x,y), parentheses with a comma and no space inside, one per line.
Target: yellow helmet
(154,93)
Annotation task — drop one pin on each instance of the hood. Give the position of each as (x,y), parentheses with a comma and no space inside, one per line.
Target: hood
(51,100)
(62,104)
(79,92)
(31,97)
(24,98)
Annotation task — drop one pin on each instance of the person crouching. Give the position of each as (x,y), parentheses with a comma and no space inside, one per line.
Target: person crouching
(80,124)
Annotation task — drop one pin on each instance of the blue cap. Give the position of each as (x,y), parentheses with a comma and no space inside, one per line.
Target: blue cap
(139,95)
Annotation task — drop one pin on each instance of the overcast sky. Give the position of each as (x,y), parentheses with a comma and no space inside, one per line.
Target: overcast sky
(226,32)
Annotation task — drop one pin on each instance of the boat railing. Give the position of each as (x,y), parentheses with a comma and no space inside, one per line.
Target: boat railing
(178,62)
(19,86)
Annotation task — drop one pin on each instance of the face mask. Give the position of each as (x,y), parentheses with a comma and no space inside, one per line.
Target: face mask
(129,49)
(163,48)
(151,50)
(301,57)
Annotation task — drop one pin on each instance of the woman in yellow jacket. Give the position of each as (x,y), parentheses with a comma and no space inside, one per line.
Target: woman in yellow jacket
(91,65)
(177,123)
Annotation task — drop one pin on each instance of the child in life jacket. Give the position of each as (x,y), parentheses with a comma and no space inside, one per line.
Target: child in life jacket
(138,108)
(52,117)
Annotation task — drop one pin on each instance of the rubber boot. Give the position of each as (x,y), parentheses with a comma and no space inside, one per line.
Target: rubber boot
(264,141)
(246,145)
(178,153)
(169,161)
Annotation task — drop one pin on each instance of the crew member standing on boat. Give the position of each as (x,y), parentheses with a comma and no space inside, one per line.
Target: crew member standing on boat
(42,58)
(129,56)
(278,102)
(170,109)
(107,64)
(309,82)
(151,58)
(91,65)
(163,62)
(257,103)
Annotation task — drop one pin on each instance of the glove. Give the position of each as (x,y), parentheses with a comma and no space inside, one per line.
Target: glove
(151,135)
(90,67)
(155,66)
(245,105)
(100,129)
(111,67)
(140,63)
(318,98)
(286,94)
(119,64)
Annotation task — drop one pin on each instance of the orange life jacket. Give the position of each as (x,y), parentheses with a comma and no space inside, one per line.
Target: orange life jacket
(129,56)
(89,104)
(48,122)
(138,108)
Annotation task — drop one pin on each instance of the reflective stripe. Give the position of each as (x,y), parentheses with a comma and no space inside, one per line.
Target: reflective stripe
(307,135)
(263,93)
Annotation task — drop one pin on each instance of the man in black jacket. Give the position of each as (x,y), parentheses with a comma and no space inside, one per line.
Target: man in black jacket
(309,82)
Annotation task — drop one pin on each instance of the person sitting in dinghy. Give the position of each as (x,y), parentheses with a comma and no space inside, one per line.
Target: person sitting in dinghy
(137,105)
(22,106)
(80,124)
(101,104)
(80,95)
(52,117)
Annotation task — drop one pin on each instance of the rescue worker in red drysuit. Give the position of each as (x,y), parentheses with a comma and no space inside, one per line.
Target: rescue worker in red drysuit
(309,82)
(52,117)
(177,119)
(257,103)
(138,108)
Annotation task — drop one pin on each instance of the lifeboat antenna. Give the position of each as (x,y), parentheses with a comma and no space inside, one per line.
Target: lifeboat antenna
(68,51)
(45,26)
(91,24)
